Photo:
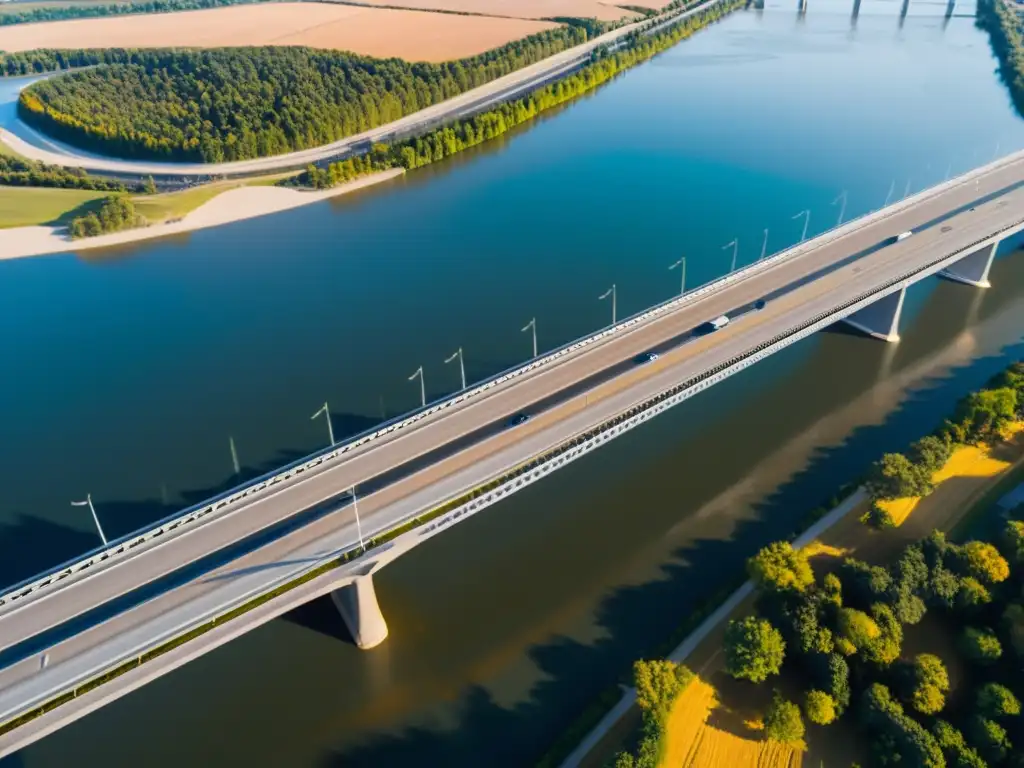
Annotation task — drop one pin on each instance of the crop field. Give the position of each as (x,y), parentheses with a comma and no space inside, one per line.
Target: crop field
(526,9)
(381,32)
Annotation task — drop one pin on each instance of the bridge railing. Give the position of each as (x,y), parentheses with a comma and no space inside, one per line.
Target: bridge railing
(13,596)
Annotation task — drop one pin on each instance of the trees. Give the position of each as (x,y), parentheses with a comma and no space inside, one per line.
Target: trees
(754,649)
(658,683)
(930,684)
(931,453)
(980,645)
(857,628)
(952,744)
(895,476)
(984,562)
(114,214)
(991,738)
(984,414)
(995,700)
(819,707)
(779,567)
(782,721)
(896,734)
(1013,541)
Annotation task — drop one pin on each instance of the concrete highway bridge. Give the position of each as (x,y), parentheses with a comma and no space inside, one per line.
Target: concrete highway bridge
(92,630)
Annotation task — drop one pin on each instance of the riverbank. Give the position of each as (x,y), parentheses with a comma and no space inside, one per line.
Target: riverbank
(230,206)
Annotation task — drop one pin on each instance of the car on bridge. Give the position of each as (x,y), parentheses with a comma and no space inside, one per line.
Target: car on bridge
(519,418)
(646,357)
(718,323)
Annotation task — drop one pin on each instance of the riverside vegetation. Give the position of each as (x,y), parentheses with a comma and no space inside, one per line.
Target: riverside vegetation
(447,141)
(1004,27)
(114,214)
(240,103)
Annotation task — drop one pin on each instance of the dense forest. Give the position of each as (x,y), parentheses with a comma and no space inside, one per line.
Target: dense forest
(463,134)
(15,172)
(1004,28)
(239,103)
(57,13)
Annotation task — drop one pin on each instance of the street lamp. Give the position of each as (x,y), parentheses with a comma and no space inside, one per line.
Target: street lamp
(234,455)
(605,295)
(764,245)
(906,190)
(462,365)
(359,526)
(842,208)
(735,245)
(888,197)
(423,387)
(682,278)
(531,325)
(806,213)
(326,411)
(95,519)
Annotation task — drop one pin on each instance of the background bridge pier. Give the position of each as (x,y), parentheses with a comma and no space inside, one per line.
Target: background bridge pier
(973,268)
(357,603)
(880,320)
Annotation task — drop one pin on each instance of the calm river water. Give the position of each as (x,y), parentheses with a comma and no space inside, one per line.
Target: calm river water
(127,371)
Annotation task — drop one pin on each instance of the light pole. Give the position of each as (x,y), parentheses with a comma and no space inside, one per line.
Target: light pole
(806,213)
(423,387)
(888,197)
(234,455)
(531,325)
(735,245)
(95,519)
(326,411)
(605,295)
(842,208)
(906,190)
(949,170)
(682,280)
(764,245)
(462,365)
(359,525)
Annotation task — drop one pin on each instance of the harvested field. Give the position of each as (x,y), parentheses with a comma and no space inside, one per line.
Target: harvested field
(381,32)
(525,9)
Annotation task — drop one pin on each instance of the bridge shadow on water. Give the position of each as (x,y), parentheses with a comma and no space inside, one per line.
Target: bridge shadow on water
(634,620)
(30,544)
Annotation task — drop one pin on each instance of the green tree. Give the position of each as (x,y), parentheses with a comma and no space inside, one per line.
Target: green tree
(980,645)
(930,684)
(149,187)
(972,594)
(991,739)
(819,707)
(778,567)
(1013,541)
(658,683)
(782,721)
(832,590)
(859,629)
(930,452)
(995,700)
(754,649)
(985,563)
(1013,620)
(952,743)
(895,476)
(986,413)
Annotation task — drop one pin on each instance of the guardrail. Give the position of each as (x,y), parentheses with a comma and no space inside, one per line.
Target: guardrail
(11,598)
(570,449)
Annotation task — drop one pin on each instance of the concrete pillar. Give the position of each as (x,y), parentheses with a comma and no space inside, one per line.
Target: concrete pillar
(801,6)
(357,603)
(881,319)
(973,268)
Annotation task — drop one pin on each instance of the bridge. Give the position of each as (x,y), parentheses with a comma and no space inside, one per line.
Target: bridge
(92,630)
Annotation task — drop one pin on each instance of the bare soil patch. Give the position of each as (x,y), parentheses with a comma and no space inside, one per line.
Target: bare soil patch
(382,32)
(525,9)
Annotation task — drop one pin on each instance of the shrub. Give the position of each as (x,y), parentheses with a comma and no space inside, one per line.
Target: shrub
(754,649)
(782,722)
(878,518)
(778,567)
(980,645)
(819,707)
(995,700)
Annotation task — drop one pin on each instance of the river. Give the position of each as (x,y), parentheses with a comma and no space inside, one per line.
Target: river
(127,372)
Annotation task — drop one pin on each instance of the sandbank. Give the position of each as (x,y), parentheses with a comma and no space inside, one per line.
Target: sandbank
(233,205)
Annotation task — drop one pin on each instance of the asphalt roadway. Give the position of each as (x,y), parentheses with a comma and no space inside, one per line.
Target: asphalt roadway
(76,656)
(504,88)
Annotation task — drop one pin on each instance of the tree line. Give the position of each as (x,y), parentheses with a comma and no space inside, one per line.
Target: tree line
(1004,27)
(463,134)
(16,172)
(240,103)
(59,13)
(114,214)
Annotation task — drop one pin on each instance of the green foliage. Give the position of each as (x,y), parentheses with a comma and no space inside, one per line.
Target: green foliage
(908,607)
(953,746)
(1013,620)
(819,707)
(832,590)
(859,629)
(984,562)
(972,594)
(897,738)
(980,645)
(15,172)
(995,700)
(984,414)
(878,518)
(930,684)
(92,10)
(885,648)
(754,649)
(658,683)
(1013,541)
(782,721)
(931,453)
(865,583)
(895,476)
(778,567)
(114,215)
(991,739)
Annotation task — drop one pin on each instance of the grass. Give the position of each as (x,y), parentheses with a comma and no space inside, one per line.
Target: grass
(32,206)
(171,206)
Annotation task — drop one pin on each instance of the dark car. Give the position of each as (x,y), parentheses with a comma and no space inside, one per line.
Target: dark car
(759,304)
(519,418)
(646,357)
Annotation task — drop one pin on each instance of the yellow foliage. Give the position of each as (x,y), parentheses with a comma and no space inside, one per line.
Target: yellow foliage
(816,548)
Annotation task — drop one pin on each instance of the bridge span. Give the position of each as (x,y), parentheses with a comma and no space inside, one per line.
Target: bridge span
(92,630)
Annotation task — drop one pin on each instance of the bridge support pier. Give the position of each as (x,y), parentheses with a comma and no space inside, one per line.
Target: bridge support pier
(880,320)
(357,604)
(973,268)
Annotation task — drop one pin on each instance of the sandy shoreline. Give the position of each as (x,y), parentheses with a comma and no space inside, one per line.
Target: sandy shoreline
(233,205)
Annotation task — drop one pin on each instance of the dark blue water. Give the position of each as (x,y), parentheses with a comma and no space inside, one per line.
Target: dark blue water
(129,370)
